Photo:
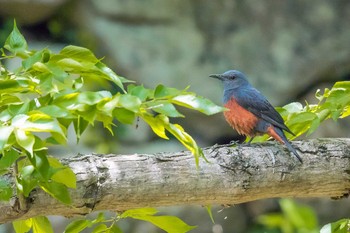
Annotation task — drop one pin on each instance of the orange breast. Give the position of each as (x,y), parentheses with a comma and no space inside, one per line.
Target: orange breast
(240,119)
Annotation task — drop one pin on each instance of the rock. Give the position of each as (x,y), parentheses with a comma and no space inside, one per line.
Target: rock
(28,12)
(281,47)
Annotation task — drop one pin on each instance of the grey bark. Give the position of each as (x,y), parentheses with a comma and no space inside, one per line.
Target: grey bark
(234,174)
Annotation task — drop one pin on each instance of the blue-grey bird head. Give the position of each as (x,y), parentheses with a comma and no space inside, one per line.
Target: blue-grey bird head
(232,79)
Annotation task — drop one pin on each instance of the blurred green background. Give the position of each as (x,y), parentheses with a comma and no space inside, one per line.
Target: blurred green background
(288,49)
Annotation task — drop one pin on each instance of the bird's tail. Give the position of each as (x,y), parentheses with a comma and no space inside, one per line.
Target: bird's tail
(278,134)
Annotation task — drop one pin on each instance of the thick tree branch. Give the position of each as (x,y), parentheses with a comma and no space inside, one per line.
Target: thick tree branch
(234,175)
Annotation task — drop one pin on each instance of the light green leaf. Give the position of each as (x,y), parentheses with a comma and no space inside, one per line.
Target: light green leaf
(210,212)
(186,140)
(92,98)
(77,226)
(165,108)
(41,164)
(197,103)
(301,216)
(340,226)
(293,107)
(130,102)
(114,229)
(22,226)
(54,111)
(138,212)
(170,224)
(140,91)
(27,180)
(124,116)
(156,124)
(102,228)
(272,220)
(69,64)
(118,80)
(100,218)
(8,158)
(58,73)
(162,91)
(36,57)
(5,190)
(57,190)
(15,42)
(41,224)
(25,140)
(5,132)
(63,175)
(79,54)
(10,85)
(80,126)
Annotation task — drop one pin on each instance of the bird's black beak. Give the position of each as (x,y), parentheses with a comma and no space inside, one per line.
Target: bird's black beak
(218,76)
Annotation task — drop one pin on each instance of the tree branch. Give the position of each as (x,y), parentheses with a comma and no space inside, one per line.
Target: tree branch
(234,175)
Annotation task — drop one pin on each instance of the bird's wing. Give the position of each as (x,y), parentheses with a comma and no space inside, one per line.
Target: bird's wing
(252,100)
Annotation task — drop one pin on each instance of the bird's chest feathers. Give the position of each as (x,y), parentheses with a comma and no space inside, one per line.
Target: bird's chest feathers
(239,118)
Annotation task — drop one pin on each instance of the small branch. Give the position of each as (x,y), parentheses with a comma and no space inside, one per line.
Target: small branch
(234,175)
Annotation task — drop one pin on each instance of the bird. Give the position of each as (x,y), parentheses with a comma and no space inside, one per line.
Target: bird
(249,112)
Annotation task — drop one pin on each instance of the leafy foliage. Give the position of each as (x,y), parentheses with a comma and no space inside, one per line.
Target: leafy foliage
(294,218)
(341,226)
(334,103)
(170,224)
(46,94)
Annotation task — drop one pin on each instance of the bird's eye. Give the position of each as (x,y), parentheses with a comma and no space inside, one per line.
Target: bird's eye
(232,77)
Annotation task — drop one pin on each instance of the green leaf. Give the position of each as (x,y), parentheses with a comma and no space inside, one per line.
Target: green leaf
(10,85)
(139,212)
(118,80)
(40,162)
(80,126)
(77,226)
(157,124)
(100,218)
(102,228)
(165,108)
(5,190)
(170,224)
(22,226)
(301,216)
(15,43)
(162,91)
(92,98)
(340,226)
(63,175)
(210,212)
(79,54)
(273,220)
(54,111)
(58,73)
(36,57)
(41,224)
(186,140)
(130,102)
(124,116)
(27,180)
(5,132)
(198,103)
(114,229)
(25,140)
(294,107)
(140,91)
(57,190)
(8,158)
